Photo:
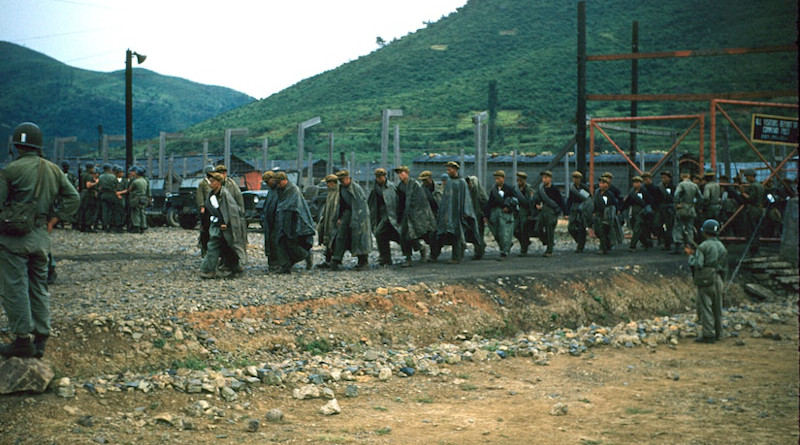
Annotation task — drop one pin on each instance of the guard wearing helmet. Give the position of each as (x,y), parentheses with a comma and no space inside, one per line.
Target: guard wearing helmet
(138,200)
(87,214)
(709,265)
(107,187)
(23,258)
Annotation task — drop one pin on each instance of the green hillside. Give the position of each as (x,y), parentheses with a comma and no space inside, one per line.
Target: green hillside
(67,101)
(439,75)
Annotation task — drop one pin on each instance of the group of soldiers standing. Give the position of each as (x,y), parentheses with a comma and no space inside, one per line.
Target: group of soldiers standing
(110,201)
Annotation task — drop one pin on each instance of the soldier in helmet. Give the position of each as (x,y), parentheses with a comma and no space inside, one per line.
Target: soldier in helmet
(87,214)
(709,265)
(120,210)
(138,200)
(753,196)
(107,187)
(30,180)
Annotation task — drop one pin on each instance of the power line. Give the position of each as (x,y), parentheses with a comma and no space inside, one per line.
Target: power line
(26,39)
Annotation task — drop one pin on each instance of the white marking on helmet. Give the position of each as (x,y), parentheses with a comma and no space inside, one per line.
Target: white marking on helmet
(24,137)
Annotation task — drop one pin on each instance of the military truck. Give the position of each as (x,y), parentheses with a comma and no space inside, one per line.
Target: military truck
(181,209)
(156,211)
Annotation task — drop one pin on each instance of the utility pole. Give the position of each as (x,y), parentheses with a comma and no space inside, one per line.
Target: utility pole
(387,113)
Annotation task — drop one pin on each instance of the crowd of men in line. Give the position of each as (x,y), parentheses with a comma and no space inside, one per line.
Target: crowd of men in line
(420,215)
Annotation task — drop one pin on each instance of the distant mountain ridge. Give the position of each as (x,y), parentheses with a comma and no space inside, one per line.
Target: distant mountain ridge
(67,101)
(439,75)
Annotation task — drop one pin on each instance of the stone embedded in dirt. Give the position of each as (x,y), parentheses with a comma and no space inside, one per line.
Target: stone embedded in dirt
(65,388)
(385,374)
(371,355)
(306,392)
(327,393)
(559,409)
(407,371)
(351,391)
(252,425)
(17,374)
(275,415)
(330,408)
(86,421)
(228,394)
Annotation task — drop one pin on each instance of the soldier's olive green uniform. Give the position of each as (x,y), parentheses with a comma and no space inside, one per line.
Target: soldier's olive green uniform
(87,214)
(687,197)
(107,188)
(710,263)
(23,260)
(118,217)
(753,210)
(137,197)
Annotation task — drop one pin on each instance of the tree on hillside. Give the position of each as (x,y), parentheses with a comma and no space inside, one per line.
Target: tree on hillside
(379,40)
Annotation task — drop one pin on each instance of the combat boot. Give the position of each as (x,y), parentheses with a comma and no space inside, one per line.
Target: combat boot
(423,254)
(39,343)
(336,265)
(20,347)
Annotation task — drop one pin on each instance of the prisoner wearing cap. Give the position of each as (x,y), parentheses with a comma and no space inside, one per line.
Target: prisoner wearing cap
(425,174)
(342,174)
(637,179)
(666,173)
(216,176)
(522,175)
(380,171)
(269,174)
(331,178)
(603,179)
(452,164)
(647,175)
(280,176)
(607,175)
(577,174)
(546,173)
(402,168)
(221,168)
(499,173)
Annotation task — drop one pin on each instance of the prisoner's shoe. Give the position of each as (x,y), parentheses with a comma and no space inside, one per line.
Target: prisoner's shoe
(238,270)
(20,347)
(208,275)
(39,343)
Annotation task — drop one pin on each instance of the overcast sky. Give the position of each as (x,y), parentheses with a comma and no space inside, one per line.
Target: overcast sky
(258,47)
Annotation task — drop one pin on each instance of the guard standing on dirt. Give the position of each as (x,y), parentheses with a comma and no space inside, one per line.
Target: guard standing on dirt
(416,217)
(709,265)
(580,213)
(383,216)
(87,214)
(228,231)
(200,195)
(353,224)
(326,226)
(499,212)
(30,181)
(687,197)
(107,187)
(550,203)
(753,196)
(523,222)
(138,200)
